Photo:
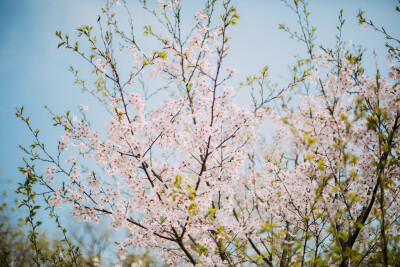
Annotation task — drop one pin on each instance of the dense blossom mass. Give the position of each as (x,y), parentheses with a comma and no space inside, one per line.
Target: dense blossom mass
(196,178)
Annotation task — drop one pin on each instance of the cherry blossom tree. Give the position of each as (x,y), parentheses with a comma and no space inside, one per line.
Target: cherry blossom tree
(195,178)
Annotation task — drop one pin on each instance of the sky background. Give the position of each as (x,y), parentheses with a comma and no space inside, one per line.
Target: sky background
(34,73)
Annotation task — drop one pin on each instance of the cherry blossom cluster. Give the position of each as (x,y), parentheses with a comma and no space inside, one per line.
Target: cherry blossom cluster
(192,177)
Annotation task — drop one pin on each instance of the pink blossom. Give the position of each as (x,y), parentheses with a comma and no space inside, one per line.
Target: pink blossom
(101,66)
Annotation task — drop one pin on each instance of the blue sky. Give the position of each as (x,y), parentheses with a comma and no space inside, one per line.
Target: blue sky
(33,73)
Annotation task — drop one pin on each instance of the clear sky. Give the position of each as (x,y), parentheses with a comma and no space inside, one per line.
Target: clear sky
(34,73)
